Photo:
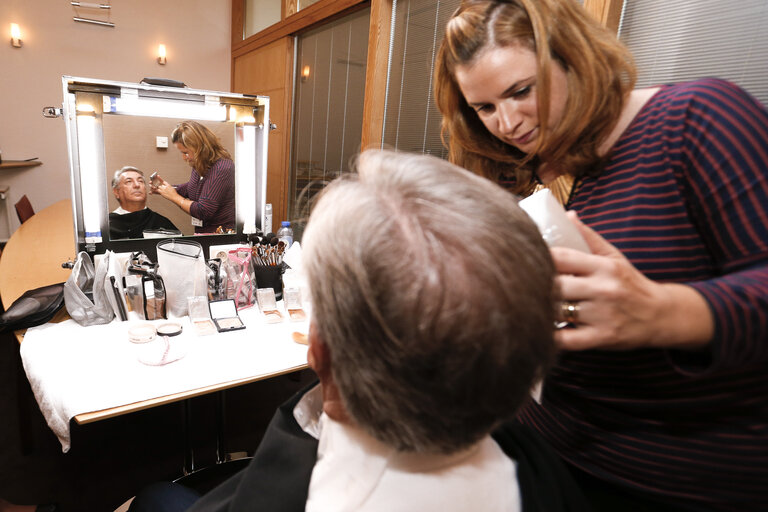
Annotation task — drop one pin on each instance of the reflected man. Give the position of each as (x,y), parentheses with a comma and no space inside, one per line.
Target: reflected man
(132,217)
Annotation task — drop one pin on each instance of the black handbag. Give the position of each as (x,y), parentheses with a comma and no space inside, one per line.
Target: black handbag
(34,307)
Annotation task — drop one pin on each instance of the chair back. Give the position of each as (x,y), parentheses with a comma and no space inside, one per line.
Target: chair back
(24,209)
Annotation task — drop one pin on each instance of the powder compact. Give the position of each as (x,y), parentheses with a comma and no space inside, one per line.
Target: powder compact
(224,315)
(169,329)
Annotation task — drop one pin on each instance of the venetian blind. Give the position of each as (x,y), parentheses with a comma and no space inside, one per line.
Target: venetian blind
(411,119)
(688,39)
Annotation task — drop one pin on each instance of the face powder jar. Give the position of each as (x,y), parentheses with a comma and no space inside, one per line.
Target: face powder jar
(143,333)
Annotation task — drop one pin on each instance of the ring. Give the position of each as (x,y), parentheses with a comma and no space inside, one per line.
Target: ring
(570,311)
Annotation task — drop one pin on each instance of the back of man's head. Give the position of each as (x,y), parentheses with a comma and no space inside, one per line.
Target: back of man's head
(433,292)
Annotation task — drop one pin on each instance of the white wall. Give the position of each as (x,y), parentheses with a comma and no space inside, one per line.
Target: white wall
(197,37)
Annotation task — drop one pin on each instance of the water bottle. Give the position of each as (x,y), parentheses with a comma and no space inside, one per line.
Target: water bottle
(285,234)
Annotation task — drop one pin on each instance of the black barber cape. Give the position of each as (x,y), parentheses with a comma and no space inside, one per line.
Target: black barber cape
(277,479)
(133,225)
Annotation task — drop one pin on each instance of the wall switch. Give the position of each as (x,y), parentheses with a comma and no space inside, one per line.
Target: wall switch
(162,142)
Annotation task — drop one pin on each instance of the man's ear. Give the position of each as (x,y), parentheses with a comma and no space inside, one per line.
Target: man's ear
(317,352)
(319,359)
(116,196)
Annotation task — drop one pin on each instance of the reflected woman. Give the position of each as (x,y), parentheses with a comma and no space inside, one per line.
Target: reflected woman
(209,195)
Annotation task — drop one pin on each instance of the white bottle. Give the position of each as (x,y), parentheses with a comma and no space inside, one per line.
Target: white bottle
(285,234)
(267,224)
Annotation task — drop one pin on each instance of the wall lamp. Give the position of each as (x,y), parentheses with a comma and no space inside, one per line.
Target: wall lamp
(161,54)
(15,35)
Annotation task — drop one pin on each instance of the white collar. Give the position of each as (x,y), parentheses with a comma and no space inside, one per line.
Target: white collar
(121,211)
(308,410)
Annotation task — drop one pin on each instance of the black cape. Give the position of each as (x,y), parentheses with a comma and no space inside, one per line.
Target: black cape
(277,478)
(133,225)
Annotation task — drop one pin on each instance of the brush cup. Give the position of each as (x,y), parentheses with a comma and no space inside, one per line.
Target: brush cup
(270,277)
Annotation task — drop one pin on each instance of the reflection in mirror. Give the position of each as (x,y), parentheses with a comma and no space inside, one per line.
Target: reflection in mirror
(111,125)
(133,141)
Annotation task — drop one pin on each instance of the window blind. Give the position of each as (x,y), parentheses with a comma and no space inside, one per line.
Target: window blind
(689,39)
(411,119)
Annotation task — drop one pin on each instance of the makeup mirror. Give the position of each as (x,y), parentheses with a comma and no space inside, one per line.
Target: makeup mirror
(114,124)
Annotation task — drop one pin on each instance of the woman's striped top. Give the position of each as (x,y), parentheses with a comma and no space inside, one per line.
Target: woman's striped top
(213,196)
(685,197)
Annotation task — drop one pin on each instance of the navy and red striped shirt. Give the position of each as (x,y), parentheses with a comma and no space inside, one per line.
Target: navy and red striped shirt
(685,197)
(213,196)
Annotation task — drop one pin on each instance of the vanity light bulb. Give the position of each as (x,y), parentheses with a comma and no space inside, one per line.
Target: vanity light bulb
(305,72)
(161,54)
(15,35)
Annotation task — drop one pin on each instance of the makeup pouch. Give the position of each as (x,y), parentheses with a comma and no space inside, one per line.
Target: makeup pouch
(84,293)
(216,273)
(243,282)
(153,297)
(144,288)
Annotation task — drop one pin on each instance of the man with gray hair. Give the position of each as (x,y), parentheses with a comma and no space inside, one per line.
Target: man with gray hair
(432,319)
(132,217)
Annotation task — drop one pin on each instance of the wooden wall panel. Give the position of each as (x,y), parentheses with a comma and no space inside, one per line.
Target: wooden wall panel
(607,12)
(268,71)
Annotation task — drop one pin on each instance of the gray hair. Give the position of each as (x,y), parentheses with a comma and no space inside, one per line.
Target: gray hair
(434,293)
(119,174)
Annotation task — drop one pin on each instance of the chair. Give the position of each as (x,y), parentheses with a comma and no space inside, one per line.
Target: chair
(24,209)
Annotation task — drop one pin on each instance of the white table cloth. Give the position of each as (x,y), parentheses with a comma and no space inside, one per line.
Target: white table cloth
(74,369)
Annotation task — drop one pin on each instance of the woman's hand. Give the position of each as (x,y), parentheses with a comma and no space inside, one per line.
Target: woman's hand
(620,308)
(163,188)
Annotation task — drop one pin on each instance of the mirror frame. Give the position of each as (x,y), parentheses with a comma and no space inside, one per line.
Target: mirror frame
(87,159)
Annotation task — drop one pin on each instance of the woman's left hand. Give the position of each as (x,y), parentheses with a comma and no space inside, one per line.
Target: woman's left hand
(620,308)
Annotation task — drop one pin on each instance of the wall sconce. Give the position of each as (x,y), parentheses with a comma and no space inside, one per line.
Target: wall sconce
(15,35)
(305,74)
(161,54)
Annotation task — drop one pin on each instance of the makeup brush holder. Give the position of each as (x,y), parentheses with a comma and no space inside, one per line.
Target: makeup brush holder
(270,276)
